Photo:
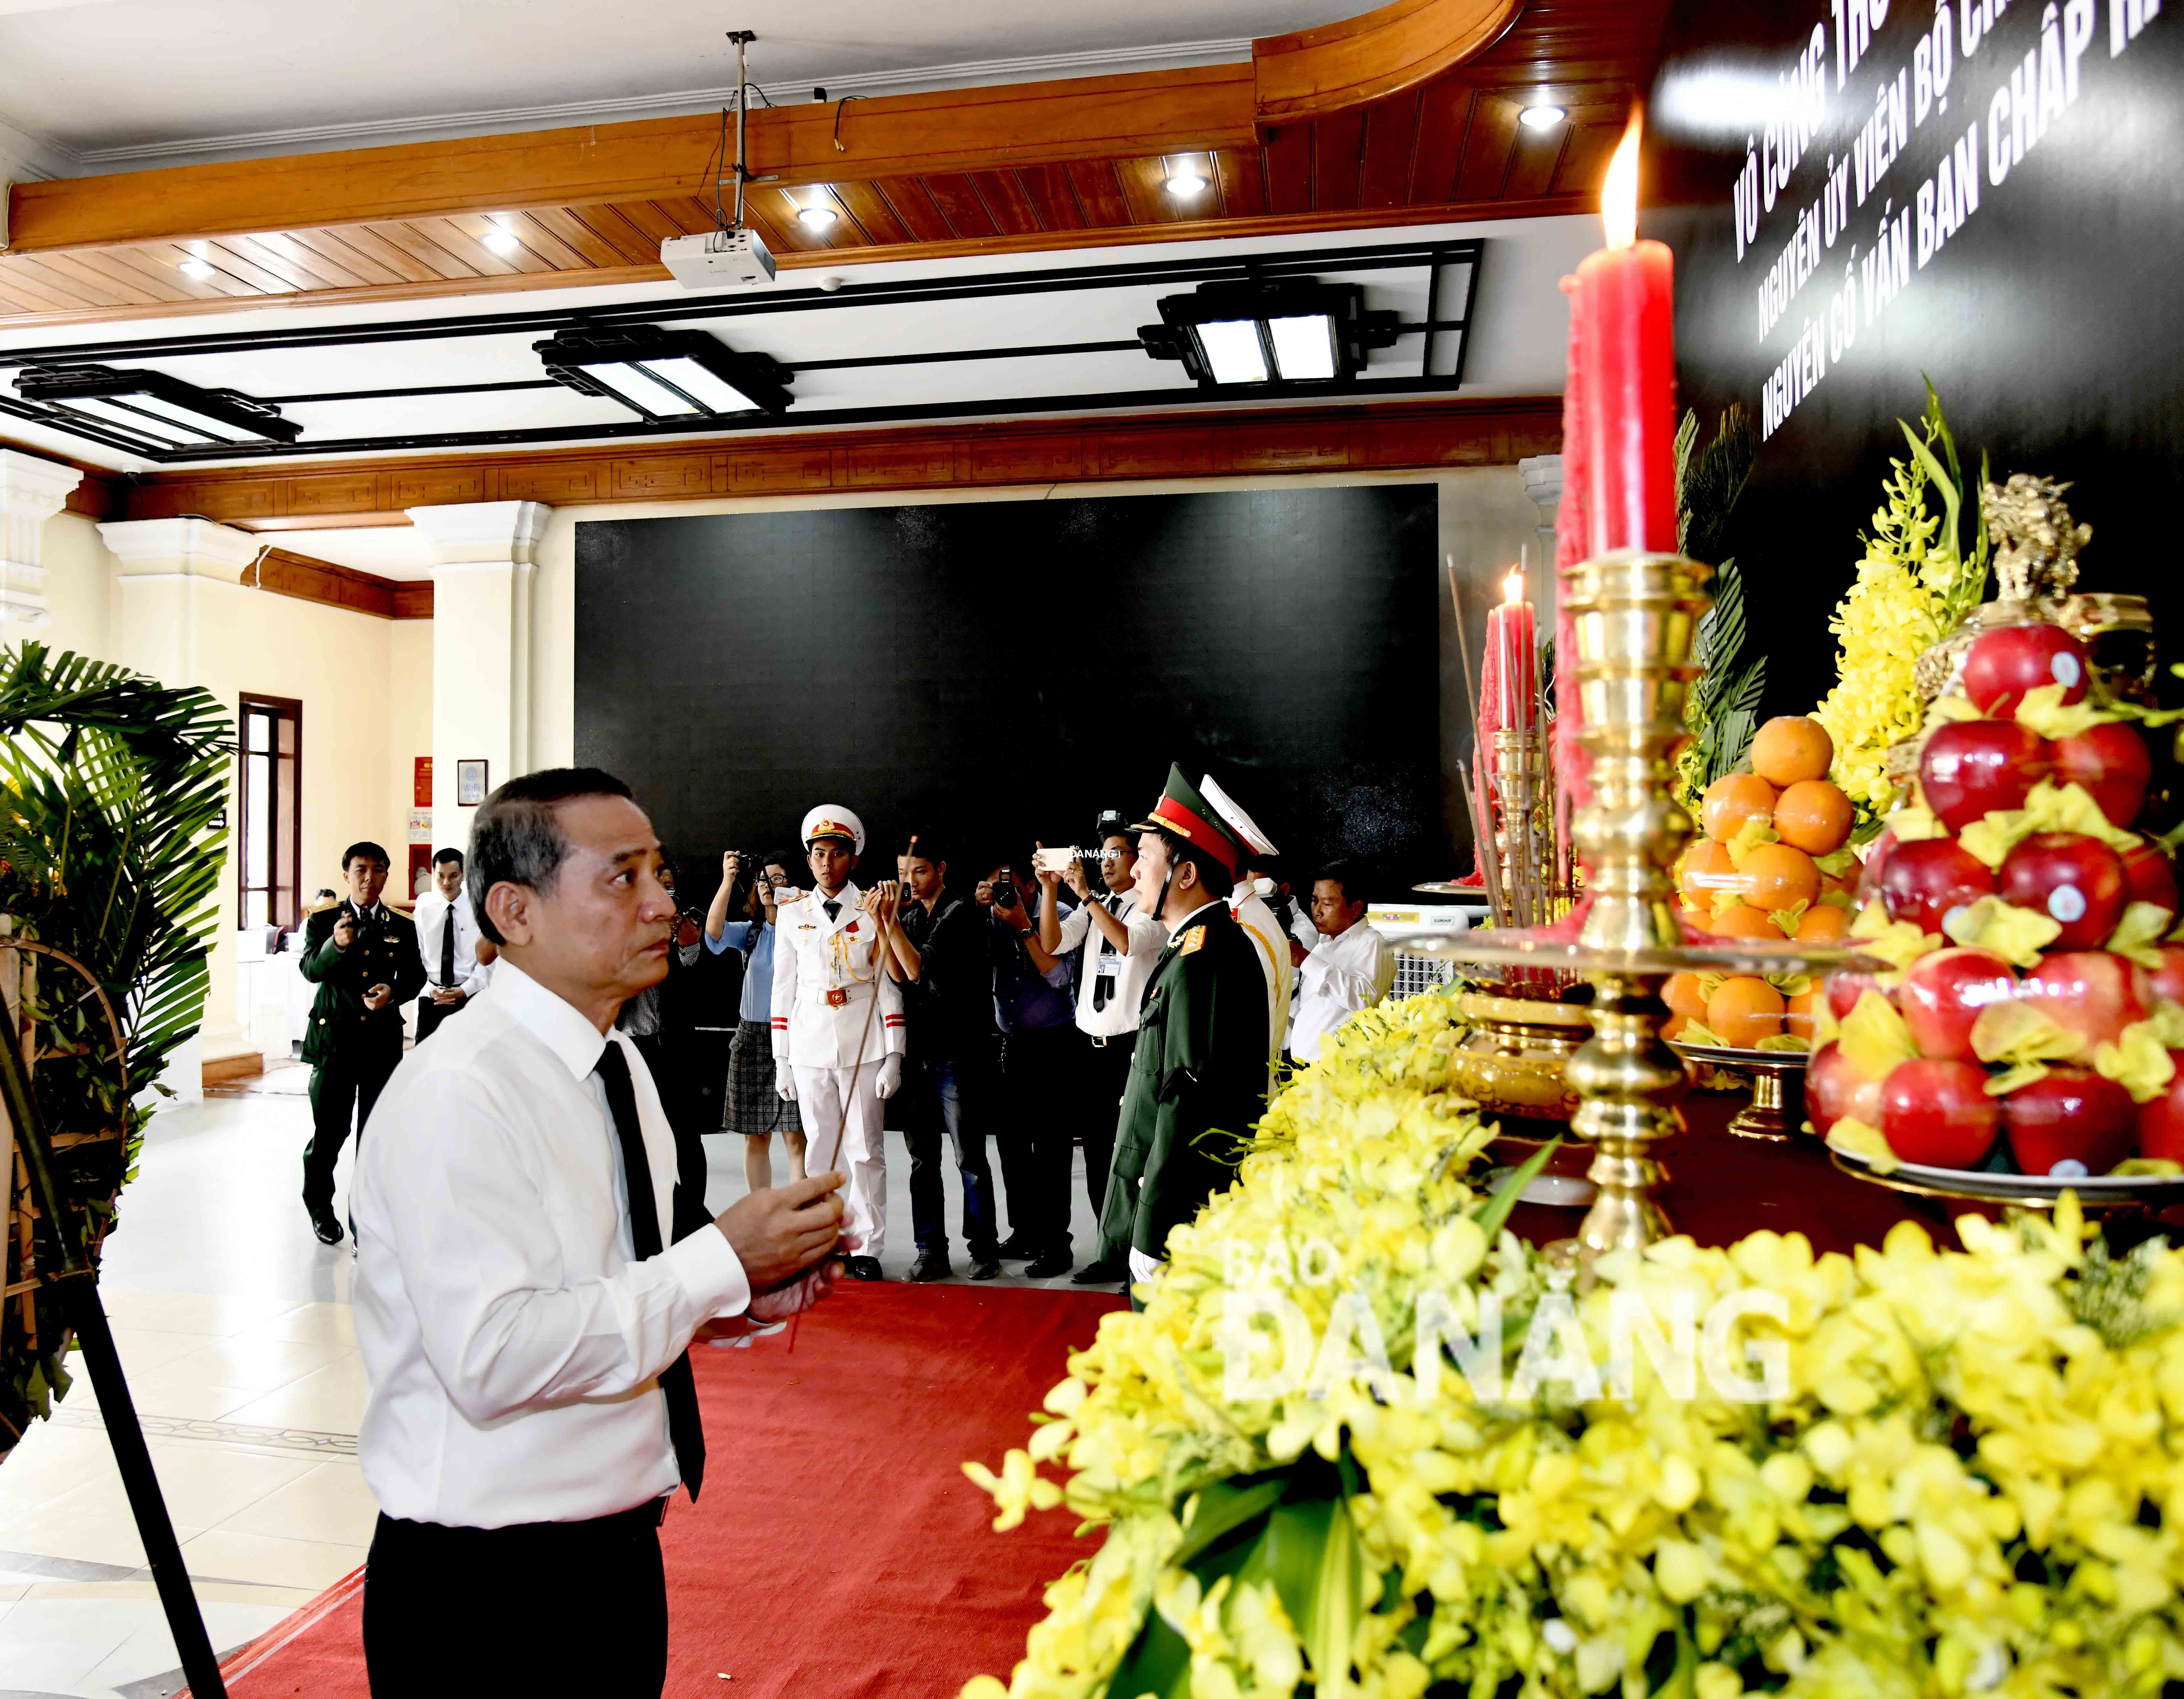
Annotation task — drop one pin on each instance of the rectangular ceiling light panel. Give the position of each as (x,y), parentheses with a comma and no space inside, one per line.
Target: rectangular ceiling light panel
(661,374)
(156,408)
(1304,348)
(1234,354)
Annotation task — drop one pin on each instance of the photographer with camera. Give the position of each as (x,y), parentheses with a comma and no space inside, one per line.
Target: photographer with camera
(749,1104)
(363,957)
(1119,945)
(941,952)
(1039,1045)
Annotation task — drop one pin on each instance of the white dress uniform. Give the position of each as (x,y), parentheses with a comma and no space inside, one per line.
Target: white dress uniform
(1273,944)
(836,1015)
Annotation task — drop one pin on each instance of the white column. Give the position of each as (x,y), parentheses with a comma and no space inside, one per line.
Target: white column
(31,492)
(1543,483)
(182,622)
(484,555)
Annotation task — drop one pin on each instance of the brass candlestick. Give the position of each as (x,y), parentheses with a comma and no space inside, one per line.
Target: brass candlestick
(1634,612)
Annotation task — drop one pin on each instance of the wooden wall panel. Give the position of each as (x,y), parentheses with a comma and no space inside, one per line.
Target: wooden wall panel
(1377,436)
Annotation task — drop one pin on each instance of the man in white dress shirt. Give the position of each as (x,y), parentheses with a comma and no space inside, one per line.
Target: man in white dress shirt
(528,1280)
(1343,965)
(839,1032)
(447,944)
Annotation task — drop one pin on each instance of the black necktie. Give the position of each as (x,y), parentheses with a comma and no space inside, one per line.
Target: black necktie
(448,951)
(1101,981)
(684,1428)
(833,909)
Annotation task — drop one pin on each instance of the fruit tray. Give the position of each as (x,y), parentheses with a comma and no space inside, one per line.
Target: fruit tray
(2095,1192)
(1777,1109)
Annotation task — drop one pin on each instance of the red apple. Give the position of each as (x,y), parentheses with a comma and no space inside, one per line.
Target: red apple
(2072,1115)
(1973,767)
(1876,858)
(2075,880)
(1923,881)
(2112,763)
(1845,986)
(2089,991)
(1938,1112)
(2161,1122)
(2168,979)
(1834,1089)
(2148,876)
(1943,994)
(2004,663)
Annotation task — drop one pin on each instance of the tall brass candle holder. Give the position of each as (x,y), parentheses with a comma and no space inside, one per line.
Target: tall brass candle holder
(1634,612)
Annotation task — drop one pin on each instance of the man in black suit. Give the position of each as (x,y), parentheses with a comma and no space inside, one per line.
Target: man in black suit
(363,957)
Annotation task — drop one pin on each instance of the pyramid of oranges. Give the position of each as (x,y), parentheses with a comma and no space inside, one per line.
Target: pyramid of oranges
(1773,863)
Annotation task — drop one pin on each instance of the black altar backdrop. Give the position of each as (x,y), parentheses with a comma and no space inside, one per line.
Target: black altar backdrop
(997,672)
(2045,306)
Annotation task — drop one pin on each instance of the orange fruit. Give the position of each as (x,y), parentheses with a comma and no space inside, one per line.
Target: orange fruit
(1793,748)
(1799,1015)
(1708,871)
(1813,815)
(1780,876)
(1822,923)
(1683,996)
(1732,799)
(1674,1025)
(1743,1011)
(1745,922)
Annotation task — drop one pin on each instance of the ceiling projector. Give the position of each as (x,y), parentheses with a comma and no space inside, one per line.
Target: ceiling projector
(718,259)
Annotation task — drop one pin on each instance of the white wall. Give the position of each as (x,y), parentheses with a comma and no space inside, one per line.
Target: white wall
(410,725)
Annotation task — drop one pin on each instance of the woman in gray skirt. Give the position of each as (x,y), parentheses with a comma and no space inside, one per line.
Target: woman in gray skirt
(752,1107)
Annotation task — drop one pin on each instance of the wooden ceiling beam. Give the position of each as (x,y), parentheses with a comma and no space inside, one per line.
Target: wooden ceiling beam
(1314,72)
(957,130)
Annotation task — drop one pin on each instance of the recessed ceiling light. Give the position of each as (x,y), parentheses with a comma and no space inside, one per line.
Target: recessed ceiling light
(194,268)
(815,217)
(1541,117)
(500,240)
(1186,183)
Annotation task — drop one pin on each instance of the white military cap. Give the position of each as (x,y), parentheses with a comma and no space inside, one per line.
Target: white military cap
(832,820)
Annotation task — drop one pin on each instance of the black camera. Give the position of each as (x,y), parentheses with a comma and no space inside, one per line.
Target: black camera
(1004,888)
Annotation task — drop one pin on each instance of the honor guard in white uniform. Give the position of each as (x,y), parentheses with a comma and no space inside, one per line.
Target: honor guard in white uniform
(1259,922)
(838,1034)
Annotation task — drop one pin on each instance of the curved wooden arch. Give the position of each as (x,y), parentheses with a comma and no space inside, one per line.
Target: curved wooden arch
(1314,72)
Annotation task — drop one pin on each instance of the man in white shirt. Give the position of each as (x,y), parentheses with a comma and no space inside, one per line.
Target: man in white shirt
(1119,946)
(528,1280)
(1343,965)
(447,944)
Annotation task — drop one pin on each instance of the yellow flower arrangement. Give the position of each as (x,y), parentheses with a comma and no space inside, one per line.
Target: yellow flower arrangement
(1913,587)
(1958,1475)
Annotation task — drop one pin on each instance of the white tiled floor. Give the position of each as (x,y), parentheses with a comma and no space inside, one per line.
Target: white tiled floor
(234,1329)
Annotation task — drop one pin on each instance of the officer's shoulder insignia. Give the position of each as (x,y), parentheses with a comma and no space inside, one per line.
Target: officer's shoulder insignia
(1193,939)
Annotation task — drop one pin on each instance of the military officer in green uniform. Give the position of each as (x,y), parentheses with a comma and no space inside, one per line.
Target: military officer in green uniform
(363,957)
(1198,1077)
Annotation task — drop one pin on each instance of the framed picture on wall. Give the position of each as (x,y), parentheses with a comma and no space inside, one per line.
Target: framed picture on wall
(471,783)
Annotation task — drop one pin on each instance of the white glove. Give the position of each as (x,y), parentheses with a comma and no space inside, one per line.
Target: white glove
(785,1082)
(890,1078)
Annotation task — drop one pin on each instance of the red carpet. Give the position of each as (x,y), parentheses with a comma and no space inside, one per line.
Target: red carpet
(838,1550)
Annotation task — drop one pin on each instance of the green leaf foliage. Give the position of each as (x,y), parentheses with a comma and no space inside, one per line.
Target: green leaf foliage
(1721,706)
(109,783)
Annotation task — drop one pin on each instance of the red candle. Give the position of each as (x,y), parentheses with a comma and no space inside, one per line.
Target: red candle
(1623,320)
(1512,671)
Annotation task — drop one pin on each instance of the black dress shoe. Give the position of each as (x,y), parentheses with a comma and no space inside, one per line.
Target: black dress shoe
(1049,1265)
(988,1267)
(1017,1248)
(1101,1274)
(863,1268)
(323,1224)
(929,1267)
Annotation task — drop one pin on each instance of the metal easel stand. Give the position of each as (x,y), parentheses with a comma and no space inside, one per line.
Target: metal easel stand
(76,1278)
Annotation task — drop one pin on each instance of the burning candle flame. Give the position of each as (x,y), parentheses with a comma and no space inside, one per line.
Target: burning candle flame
(1512,586)
(1618,192)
